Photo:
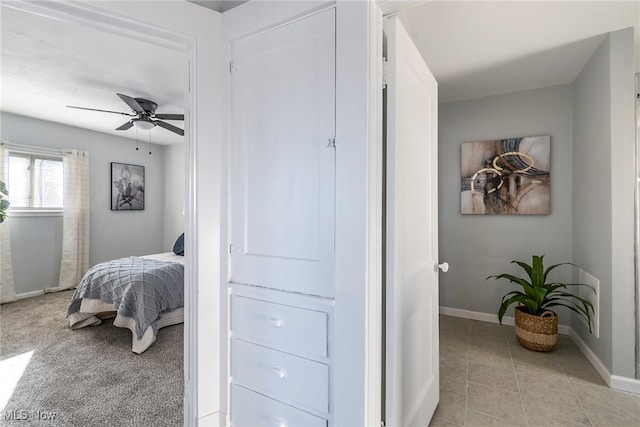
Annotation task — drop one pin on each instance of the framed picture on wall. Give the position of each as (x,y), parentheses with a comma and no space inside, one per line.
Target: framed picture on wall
(127,187)
(506,176)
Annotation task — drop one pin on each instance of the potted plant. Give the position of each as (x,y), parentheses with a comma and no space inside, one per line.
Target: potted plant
(4,201)
(536,324)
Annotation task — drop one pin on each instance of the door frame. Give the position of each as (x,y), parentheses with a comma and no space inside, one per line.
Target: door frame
(637,223)
(110,22)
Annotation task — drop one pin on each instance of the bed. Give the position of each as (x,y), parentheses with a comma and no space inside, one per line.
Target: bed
(144,294)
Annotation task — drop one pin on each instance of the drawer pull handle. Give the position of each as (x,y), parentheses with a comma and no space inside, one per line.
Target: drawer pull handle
(278,323)
(280,372)
(278,422)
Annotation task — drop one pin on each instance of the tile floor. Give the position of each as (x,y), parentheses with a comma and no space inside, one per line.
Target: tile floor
(488,379)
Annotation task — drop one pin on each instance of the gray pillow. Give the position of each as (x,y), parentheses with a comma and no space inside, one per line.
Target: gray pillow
(178,246)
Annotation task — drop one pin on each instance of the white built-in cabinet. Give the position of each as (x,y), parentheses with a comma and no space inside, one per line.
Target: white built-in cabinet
(280,363)
(283,166)
(315,194)
(282,254)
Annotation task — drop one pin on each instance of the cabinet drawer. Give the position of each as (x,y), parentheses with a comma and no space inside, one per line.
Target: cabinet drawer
(249,409)
(296,380)
(293,329)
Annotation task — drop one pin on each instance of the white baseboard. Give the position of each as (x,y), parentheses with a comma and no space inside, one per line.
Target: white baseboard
(625,384)
(473,315)
(591,357)
(29,294)
(217,419)
(616,382)
(488,317)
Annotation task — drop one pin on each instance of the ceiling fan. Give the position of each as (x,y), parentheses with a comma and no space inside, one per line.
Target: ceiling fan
(144,115)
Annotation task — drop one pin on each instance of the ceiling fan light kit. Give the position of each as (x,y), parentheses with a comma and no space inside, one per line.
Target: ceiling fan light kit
(144,124)
(144,115)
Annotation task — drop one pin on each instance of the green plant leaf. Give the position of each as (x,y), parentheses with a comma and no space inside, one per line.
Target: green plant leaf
(4,202)
(526,267)
(551,287)
(587,317)
(548,270)
(582,311)
(568,296)
(537,271)
(522,282)
(537,295)
(583,284)
(516,296)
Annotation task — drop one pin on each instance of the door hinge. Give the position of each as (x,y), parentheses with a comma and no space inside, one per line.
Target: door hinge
(233,67)
(331,142)
(231,250)
(384,73)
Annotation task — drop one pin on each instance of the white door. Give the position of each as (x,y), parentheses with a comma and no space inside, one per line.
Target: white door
(283,158)
(412,374)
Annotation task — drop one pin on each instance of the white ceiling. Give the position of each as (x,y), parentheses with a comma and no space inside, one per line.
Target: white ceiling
(47,64)
(474,49)
(481,48)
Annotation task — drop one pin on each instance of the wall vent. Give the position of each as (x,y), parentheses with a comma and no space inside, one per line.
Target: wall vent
(584,292)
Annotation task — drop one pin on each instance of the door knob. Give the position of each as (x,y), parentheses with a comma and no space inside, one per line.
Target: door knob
(444,267)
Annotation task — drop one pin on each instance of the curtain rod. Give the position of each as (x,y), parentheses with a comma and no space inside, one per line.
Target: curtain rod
(32,149)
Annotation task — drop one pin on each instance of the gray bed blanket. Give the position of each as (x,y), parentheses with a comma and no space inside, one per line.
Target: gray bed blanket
(139,288)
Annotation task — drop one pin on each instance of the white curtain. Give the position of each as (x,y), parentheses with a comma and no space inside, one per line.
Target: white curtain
(75,219)
(7,287)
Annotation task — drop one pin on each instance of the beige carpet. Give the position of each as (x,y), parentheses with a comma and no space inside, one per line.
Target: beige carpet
(87,377)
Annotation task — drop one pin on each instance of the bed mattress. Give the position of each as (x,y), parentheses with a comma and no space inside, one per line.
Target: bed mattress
(144,294)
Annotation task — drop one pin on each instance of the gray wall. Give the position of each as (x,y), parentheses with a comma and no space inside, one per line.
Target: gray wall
(477,246)
(623,177)
(603,197)
(36,241)
(36,248)
(591,123)
(592,195)
(174,178)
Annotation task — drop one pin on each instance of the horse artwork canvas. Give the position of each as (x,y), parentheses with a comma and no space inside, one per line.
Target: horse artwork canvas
(506,176)
(127,187)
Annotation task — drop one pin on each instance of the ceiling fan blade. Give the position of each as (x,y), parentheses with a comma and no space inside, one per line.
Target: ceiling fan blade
(132,103)
(126,125)
(170,116)
(102,111)
(172,128)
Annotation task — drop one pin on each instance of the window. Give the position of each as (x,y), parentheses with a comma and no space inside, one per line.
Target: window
(35,181)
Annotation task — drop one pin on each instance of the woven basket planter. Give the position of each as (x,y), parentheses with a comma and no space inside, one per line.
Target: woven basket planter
(538,333)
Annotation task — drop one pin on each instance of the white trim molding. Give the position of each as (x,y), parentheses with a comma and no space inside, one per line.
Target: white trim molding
(630,385)
(489,317)
(19,213)
(591,357)
(216,419)
(616,382)
(122,18)
(30,294)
